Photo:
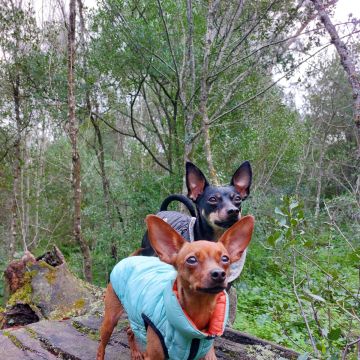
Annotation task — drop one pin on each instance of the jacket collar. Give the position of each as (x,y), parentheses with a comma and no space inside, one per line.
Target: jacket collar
(182,323)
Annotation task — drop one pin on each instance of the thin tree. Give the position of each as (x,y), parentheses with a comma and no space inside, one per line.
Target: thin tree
(348,64)
(16,167)
(346,60)
(73,129)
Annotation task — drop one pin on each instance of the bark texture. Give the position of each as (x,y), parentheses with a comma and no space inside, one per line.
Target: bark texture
(187,82)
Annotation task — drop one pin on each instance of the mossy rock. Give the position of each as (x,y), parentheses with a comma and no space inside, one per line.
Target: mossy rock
(61,294)
(53,292)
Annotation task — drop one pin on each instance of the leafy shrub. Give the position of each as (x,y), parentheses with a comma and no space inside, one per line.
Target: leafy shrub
(300,281)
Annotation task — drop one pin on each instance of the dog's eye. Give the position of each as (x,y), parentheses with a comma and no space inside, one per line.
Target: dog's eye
(213,199)
(191,260)
(225,259)
(237,199)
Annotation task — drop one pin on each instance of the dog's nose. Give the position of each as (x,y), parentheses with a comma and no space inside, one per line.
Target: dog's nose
(233,211)
(218,275)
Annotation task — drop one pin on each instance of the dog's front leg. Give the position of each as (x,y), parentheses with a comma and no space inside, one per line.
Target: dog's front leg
(136,354)
(210,355)
(154,350)
(113,311)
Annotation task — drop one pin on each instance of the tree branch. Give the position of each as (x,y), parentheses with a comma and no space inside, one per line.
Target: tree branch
(273,83)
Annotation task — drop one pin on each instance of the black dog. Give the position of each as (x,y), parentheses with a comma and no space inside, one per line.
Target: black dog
(213,209)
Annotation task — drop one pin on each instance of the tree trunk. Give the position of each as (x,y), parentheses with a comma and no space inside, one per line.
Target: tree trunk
(319,183)
(16,170)
(187,82)
(73,128)
(204,90)
(188,146)
(347,62)
(207,148)
(38,182)
(99,151)
(303,162)
(120,146)
(25,193)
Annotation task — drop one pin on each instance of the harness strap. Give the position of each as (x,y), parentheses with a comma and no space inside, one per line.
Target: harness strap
(191,228)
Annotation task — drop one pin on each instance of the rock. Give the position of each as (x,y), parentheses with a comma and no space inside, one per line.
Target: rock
(68,339)
(27,341)
(45,288)
(9,351)
(61,338)
(77,339)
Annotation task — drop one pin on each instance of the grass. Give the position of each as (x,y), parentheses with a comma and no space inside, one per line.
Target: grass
(268,308)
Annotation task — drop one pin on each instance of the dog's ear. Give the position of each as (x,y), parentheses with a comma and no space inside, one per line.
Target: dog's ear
(164,239)
(241,180)
(195,181)
(237,237)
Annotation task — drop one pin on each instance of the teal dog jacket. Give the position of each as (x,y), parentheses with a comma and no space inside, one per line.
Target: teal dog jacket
(146,289)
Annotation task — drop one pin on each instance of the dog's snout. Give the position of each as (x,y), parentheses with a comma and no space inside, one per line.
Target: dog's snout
(233,211)
(218,275)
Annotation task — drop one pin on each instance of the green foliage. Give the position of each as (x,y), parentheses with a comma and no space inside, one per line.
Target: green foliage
(301,261)
(296,259)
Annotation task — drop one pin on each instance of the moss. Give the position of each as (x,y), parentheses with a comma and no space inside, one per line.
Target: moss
(50,276)
(79,304)
(14,340)
(65,313)
(24,294)
(59,314)
(29,275)
(29,264)
(261,352)
(91,333)
(31,332)
(123,323)
(45,265)
(94,336)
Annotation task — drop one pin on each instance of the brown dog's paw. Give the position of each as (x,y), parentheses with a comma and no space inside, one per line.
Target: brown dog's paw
(137,356)
(210,355)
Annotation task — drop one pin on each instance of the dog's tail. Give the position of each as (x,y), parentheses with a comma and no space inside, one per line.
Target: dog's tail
(183,199)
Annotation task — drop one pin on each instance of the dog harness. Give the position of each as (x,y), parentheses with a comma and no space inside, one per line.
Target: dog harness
(184,225)
(147,290)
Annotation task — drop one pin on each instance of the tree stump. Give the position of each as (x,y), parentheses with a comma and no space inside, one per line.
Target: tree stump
(45,288)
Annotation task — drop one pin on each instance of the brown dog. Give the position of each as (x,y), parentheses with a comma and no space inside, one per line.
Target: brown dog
(196,291)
